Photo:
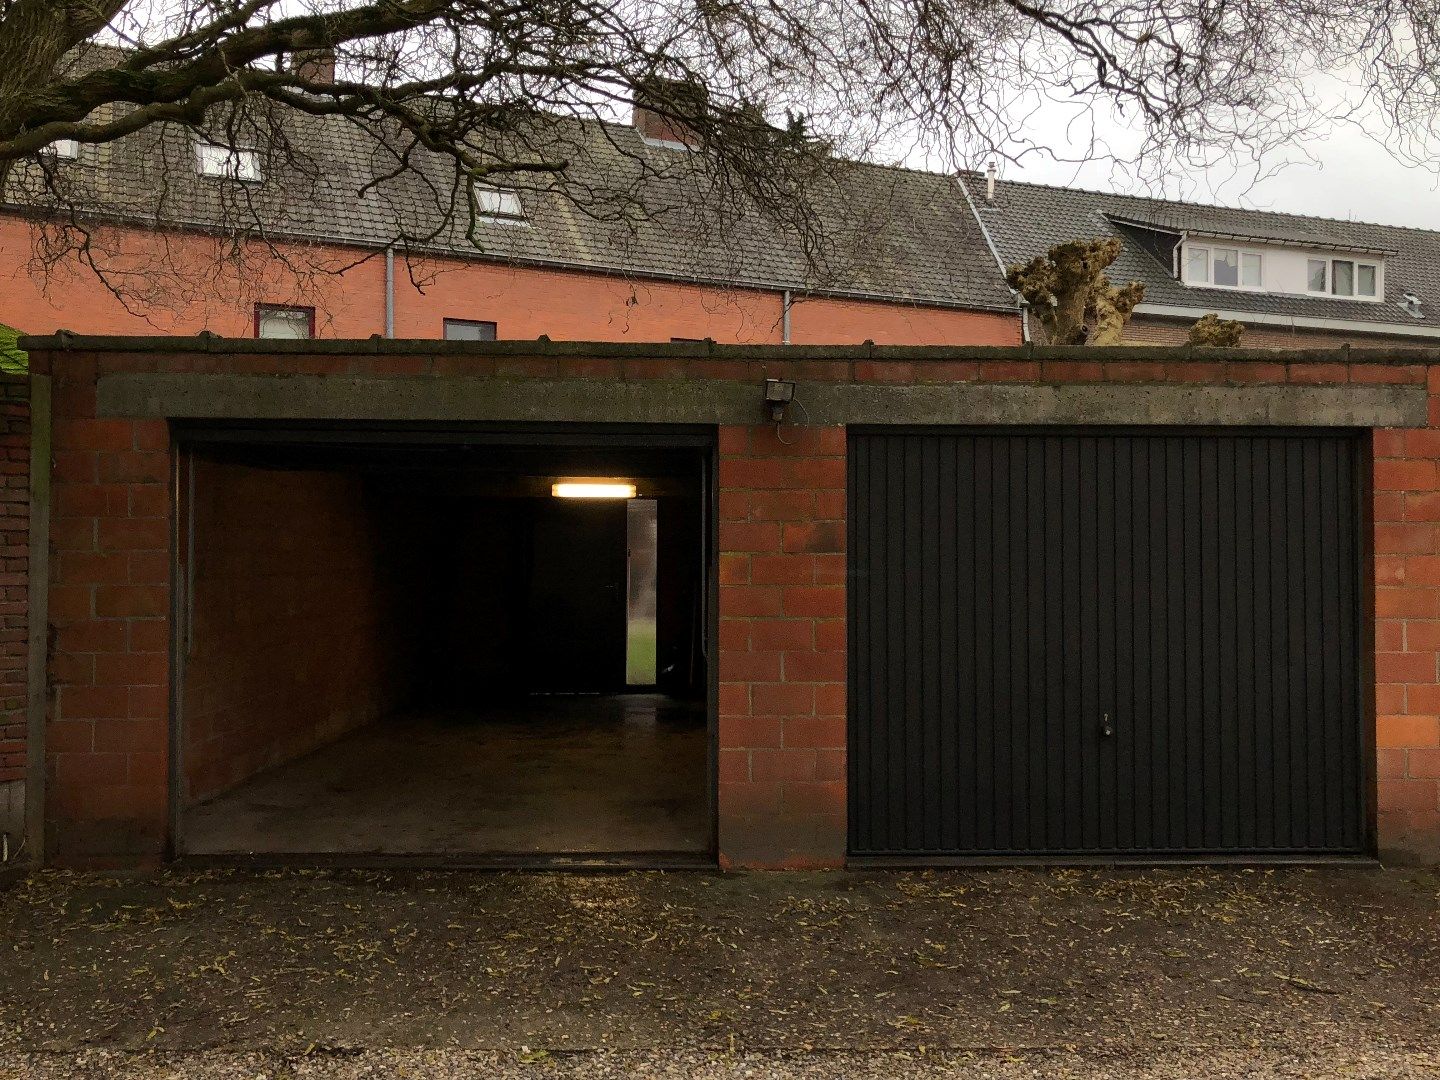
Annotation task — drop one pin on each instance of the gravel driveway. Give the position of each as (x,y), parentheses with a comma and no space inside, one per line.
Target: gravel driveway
(995,973)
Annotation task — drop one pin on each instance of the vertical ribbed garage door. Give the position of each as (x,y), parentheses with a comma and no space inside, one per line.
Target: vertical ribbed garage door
(1105,642)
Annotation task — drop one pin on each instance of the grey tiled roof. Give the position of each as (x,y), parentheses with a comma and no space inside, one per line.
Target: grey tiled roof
(886,232)
(1025,220)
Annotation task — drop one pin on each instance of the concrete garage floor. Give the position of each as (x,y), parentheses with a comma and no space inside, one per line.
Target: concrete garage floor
(547,775)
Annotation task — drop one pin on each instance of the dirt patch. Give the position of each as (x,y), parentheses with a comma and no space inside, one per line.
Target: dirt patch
(1194,1064)
(317,966)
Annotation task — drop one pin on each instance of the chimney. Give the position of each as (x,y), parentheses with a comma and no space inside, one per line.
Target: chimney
(990,172)
(314,65)
(657,96)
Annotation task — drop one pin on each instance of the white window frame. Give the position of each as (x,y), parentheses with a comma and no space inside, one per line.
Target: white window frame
(1356,263)
(499,205)
(1353,275)
(1372,295)
(1209,280)
(228,162)
(1185,256)
(447,323)
(287,313)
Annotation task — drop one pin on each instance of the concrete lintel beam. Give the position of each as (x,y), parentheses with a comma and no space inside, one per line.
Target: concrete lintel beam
(700,401)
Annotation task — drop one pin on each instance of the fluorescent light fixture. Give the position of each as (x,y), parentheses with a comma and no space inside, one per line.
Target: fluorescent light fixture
(592,489)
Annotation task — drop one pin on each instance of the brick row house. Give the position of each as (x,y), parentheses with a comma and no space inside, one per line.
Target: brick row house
(902,257)
(895,255)
(1293,281)
(867,576)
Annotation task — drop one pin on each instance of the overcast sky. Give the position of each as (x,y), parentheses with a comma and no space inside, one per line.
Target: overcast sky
(1350,177)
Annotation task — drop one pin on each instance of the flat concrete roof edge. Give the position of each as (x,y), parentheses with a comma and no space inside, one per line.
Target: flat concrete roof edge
(212,343)
(486,399)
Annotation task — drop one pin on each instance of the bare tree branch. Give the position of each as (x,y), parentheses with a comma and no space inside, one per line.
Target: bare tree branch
(772,96)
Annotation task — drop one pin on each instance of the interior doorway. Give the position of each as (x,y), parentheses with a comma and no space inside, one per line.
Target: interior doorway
(641,602)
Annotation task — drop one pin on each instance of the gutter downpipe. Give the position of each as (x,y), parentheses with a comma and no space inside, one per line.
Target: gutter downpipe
(785,317)
(995,254)
(389,292)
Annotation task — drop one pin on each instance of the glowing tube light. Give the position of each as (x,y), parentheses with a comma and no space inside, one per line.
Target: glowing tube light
(592,489)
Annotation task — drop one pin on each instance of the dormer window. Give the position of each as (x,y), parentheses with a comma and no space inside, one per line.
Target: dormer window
(1223,267)
(1285,271)
(227,162)
(1343,277)
(499,204)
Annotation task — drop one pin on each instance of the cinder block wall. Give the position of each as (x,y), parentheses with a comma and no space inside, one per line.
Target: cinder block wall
(295,638)
(14,602)
(782,619)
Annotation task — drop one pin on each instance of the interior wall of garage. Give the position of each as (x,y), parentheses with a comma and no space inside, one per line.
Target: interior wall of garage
(513,604)
(472,582)
(522,595)
(680,663)
(299,626)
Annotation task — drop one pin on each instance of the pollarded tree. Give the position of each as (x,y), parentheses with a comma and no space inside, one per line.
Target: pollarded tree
(1071,296)
(1214,332)
(452,96)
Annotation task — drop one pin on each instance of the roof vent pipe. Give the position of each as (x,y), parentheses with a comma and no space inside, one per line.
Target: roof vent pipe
(990,173)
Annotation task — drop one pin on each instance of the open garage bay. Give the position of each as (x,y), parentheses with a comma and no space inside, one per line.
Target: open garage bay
(418,648)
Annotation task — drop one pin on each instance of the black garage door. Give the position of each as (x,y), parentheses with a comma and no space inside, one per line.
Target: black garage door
(1105,642)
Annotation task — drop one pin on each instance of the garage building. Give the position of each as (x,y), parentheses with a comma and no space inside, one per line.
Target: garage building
(327,600)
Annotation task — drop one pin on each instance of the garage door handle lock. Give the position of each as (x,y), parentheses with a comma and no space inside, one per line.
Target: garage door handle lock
(1107,729)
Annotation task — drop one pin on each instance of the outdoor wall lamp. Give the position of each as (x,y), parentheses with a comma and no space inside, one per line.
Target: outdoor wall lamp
(778,395)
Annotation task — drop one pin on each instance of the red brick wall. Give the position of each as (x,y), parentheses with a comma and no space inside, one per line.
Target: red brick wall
(823,321)
(107,740)
(294,637)
(1152,331)
(14,560)
(781,598)
(1407,633)
(782,646)
(219,294)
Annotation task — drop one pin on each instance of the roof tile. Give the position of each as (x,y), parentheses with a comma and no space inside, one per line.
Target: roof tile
(1026,220)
